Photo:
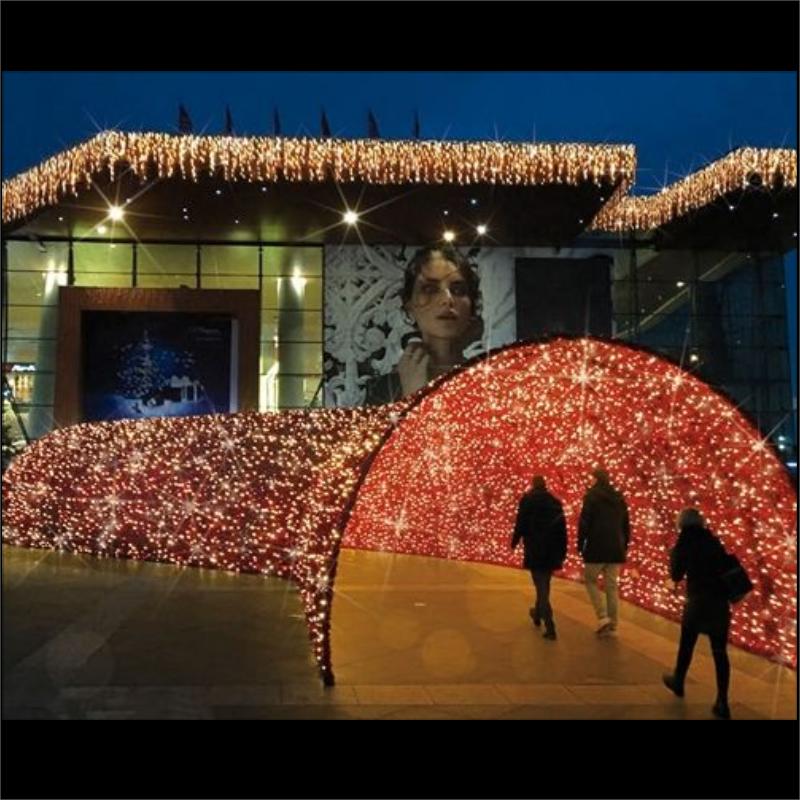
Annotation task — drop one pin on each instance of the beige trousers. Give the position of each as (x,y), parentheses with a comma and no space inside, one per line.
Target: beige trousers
(606,604)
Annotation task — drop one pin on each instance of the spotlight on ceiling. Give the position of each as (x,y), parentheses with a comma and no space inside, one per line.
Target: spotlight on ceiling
(482,230)
(449,236)
(350,217)
(115,213)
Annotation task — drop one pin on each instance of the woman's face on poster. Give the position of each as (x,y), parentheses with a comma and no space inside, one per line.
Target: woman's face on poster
(440,303)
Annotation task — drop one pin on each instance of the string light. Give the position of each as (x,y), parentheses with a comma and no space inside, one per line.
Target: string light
(439,474)
(739,170)
(454,469)
(270,159)
(249,492)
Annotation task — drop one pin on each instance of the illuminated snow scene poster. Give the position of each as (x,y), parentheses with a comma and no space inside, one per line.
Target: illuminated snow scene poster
(139,365)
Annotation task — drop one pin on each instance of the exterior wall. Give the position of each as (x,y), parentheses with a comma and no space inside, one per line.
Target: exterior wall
(290,280)
(720,314)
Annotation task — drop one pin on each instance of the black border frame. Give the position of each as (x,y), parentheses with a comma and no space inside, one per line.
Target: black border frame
(566,759)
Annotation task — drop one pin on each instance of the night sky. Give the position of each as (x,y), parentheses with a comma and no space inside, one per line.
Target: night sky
(679,121)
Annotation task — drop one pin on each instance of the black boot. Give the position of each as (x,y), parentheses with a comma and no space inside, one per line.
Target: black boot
(537,621)
(671,682)
(549,630)
(721,710)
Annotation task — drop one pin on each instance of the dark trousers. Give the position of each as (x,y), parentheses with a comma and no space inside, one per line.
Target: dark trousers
(719,641)
(541,582)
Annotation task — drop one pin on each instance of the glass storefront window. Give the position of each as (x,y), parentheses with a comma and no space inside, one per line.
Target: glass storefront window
(292,262)
(103,279)
(40,352)
(24,322)
(166,281)
(96,257)
(219,260)
(158,259)
(294,358)
(31,288)
(292,293)
(33,388)
(294,326)
(228,282)
(296,391)
(37,257)
(37,418)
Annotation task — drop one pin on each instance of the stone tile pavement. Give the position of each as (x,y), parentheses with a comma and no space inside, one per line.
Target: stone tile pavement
(412,638)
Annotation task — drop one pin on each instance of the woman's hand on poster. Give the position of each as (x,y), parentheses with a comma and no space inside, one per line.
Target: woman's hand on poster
(413,367)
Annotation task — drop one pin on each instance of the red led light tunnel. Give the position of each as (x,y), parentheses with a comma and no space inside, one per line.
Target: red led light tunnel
(439,475)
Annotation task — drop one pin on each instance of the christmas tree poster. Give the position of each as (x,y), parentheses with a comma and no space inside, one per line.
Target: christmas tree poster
(157,364)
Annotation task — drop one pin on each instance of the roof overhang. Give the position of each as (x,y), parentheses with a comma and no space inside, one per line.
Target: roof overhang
(275,189)
(744,201)
(226,188)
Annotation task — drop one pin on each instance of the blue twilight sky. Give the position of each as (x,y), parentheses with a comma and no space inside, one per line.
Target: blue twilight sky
(678,120)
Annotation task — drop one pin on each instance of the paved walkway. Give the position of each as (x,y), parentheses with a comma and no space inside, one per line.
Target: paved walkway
(413,638)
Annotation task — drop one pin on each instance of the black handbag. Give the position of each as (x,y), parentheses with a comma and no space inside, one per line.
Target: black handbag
(735,579)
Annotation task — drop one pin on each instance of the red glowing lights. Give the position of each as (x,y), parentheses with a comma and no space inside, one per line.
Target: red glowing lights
(442,474)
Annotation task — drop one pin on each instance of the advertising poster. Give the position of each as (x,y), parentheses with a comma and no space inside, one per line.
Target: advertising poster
(156,364)
(396,317)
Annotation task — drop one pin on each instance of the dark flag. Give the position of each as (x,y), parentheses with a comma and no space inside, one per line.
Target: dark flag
(184,120)
(276,123)
(416,125)
(228,121)
(324,126)
(372,126)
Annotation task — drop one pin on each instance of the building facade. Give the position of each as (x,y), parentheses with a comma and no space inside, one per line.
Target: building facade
(701,283)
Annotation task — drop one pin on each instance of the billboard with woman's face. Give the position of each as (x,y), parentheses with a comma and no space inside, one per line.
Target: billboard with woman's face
(396,318)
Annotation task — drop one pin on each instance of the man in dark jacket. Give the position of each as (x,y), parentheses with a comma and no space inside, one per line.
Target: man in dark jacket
(541,526)
(603,536)
(700,557)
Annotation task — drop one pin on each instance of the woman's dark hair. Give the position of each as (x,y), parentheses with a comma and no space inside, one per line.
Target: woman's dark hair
(462,264)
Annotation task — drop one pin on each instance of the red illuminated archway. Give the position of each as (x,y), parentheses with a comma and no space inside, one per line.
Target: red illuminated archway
(439,475)
(448,480)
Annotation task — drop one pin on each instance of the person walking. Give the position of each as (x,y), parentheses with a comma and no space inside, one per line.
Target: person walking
(603,538)
(541,526)
(700,557)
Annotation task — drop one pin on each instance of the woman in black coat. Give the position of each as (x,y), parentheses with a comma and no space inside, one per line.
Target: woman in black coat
(542,527)
(700,557)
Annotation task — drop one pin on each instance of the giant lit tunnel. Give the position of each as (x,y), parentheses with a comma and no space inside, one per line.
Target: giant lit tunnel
(438,475)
